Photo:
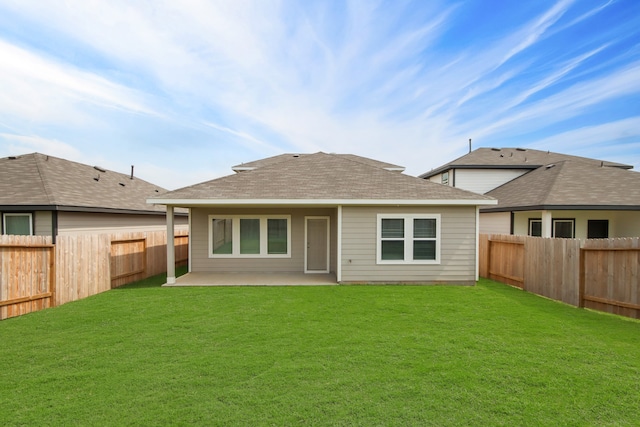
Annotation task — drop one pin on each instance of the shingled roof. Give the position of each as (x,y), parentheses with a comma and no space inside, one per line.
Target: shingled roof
(319,178)
(514,158)
(570,185)
(38,181)
(283,157)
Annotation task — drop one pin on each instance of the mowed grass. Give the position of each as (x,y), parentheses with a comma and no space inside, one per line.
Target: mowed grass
(342,355)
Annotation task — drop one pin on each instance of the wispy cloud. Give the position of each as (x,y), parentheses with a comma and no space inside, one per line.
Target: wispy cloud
(408,82)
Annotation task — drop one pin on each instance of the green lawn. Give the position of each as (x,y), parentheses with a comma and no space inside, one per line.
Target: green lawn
(344,355)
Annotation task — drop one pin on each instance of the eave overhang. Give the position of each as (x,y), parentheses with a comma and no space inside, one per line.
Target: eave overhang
(319,202)
(561,208)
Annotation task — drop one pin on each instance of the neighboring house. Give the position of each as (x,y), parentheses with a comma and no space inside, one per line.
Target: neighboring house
(356,218)
(541,193)
(45,195)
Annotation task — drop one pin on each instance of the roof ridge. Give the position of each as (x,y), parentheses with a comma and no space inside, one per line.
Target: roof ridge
(42,174)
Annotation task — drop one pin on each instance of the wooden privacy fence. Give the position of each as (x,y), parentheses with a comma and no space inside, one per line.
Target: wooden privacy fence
(36,274)
(601,274)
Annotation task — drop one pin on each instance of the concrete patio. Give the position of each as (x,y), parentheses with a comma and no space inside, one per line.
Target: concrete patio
(254,279)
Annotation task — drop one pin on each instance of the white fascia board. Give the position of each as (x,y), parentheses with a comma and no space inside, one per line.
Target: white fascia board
(320,202)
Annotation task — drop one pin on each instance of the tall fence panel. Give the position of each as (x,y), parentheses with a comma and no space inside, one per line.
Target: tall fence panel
(36,274)
(82,266)
(505,260)
(611,276)
(602,274)
(553,268)
(27,269)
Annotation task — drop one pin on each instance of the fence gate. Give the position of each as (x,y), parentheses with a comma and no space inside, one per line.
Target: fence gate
(27,275)
(505,258)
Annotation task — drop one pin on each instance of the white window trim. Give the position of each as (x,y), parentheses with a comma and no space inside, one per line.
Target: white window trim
(534,221)
(4,220)
(569,220)
(235,236)
(408,239)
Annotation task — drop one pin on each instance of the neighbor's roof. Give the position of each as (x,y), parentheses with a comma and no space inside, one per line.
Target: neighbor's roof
(570,185)
(514,158)
(283,157)
(38,181)
(319,178)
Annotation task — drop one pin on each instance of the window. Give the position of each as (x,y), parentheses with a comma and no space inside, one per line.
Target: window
(563,228)
(597,229)
(17,224)
(249,236)
(410,238)
(445,178)
(535,227)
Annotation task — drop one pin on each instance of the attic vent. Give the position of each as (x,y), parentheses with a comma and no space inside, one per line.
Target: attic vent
(12,157)
(521,149)
(121,184)
(495,149)
(296,155)
(549,166)
(99,169)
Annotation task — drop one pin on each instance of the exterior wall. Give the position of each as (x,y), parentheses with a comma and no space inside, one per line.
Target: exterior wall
(484,180)
(457,240)
(200,261)
(621,223)
(88,222)
(43,223)
(627,224)
(495,223)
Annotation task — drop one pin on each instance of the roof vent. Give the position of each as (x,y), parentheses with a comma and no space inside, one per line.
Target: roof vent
(521,149)
(12,157)
(495,149)
(121,184)
(549,166)
(97,178)
(99,169)
(296,155)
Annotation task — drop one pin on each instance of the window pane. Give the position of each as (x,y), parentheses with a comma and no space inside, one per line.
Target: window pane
(392,249)
(277,236)
(535,228)
(250,236)
(424,249)
(392,228)
(222,236)
(18,225)
(424,228)
(563,229)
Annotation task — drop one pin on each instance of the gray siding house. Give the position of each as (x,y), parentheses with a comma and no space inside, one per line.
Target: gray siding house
(358,219)
(48,196)
(541,193)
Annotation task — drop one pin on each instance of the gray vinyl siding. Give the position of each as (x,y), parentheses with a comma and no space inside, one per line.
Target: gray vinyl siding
(43,223)
(89,222)
(200,261)
(457,253)
(482,181)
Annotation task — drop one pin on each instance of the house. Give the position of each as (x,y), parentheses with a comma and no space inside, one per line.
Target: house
(358,219)
(542,193)
(46,195)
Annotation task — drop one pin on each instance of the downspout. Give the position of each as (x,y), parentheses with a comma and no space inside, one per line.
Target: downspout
(477,243)
(54,226)
(339,249)
(171,249)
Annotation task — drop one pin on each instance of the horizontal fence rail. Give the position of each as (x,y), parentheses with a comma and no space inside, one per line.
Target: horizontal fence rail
(600,274)
(36,274)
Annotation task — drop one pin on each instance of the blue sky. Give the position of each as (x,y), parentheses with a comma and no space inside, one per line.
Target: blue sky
(185,89)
